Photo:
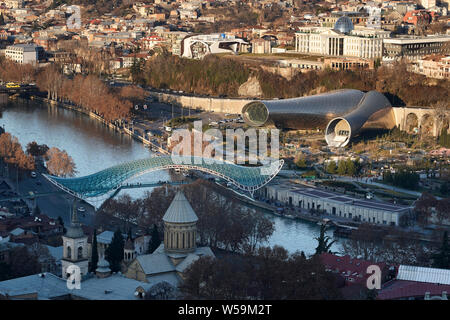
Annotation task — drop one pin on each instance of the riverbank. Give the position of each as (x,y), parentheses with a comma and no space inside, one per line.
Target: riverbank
(118,128)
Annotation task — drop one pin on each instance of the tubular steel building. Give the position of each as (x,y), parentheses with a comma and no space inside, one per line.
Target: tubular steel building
(342,113)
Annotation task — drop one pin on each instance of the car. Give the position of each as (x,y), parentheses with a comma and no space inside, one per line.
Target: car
(81,209)
(12,85)
(38,183)
(33,174)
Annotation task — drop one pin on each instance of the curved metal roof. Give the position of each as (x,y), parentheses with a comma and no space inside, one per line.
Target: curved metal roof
(105,181)
(326,106)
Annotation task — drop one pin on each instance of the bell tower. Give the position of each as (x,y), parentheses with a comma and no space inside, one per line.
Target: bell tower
(75,251)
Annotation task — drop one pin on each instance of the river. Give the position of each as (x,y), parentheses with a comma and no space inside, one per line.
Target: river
(94,147)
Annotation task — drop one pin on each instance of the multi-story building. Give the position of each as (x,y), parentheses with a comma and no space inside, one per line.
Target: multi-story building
(25,53)
(342,40)
(336,204)
(436,66)
(413,48)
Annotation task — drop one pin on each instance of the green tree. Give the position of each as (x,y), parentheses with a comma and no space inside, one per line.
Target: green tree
(2,20)
(442,258)
(94,254)
(301,162)
(332,168)
(155,241)
(114,253)
(324,243)
(350,167)
(342,168)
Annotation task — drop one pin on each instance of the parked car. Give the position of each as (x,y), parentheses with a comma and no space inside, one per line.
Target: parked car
(33,174)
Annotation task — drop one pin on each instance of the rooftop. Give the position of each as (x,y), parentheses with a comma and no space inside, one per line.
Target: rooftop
(180,210)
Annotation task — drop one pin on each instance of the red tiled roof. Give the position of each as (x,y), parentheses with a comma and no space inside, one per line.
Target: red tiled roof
(400,289)
(353,270)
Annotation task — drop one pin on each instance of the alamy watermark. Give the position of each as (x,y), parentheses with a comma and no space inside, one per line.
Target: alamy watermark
(238,146)
(74,278)
(74,20)
(374,280)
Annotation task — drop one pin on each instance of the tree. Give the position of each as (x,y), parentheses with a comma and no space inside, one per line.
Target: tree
(160,291)
(94,253)
(121,211)
(2,20)
(301,162)
(423,207)
(61,222)
(342,168)
(36,150)
(114,253)
(268,273)
(324,243)
(59,163)
(332,168)
(442,258)
(155,241)
(21,264)
(350,167)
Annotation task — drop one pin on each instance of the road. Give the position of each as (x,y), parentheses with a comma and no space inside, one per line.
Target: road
(57,204)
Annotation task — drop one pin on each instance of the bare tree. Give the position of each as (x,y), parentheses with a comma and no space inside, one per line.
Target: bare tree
(59,163)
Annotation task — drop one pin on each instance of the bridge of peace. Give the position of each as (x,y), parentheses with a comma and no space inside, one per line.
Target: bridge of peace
(341,113)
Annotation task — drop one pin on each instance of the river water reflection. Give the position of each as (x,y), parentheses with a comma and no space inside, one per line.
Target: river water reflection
(95,147)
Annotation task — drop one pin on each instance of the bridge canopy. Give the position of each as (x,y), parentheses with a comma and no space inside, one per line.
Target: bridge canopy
(108,180)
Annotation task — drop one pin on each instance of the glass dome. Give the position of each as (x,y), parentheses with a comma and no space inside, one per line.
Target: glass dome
(344,24)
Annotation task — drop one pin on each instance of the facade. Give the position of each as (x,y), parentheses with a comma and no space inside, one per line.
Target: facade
(25,53)
(342,40)
(413,48)
(342,113)
(436,66)
(261,46)
(336,204)
(197,47)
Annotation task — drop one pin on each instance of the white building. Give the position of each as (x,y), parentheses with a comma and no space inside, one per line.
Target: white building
(342,40)
(336,204)
(427,4)
(197,47)
(24,53)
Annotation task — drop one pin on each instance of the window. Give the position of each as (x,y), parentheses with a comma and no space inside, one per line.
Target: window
(80,252)
(69,252)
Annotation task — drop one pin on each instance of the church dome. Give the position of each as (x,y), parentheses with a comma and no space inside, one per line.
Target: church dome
(344,24)
(180,211)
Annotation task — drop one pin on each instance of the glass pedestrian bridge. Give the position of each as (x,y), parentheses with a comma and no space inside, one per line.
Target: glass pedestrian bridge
(109,180)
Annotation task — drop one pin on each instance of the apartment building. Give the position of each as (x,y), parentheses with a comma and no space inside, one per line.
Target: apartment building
(25,53)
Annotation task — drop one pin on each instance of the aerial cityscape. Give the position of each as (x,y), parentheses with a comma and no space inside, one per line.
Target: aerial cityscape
(257,150)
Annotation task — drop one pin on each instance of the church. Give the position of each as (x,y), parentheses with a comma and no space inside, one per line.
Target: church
(141,272)
(178,250)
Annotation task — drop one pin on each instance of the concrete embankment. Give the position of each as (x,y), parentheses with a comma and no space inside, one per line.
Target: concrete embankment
(110,125)
(223,105)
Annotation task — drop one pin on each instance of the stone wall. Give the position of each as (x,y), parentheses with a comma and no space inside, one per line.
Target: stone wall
(224,105)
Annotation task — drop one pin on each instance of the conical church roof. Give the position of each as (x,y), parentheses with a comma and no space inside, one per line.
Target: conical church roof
(180,210)
(74,230)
